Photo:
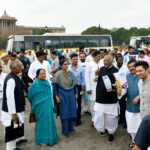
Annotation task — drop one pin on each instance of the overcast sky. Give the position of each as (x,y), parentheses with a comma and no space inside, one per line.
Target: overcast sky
(78,15)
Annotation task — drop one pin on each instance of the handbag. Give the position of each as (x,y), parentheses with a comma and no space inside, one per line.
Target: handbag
(14,131)
(32,118)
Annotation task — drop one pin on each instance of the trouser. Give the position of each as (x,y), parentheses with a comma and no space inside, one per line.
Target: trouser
(85,105)
(67,125)
(25,79)
(79,103)
(133,136)
(122,103)
(105,121)
(92,109)
(11,145)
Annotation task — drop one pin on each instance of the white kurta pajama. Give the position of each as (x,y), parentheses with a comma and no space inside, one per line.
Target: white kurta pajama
(2,78)
(133,122)
(7,116)
(105,113)
(106,117)
(91,82)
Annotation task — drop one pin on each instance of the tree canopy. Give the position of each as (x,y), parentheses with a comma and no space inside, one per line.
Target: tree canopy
(42,31)
(120,35)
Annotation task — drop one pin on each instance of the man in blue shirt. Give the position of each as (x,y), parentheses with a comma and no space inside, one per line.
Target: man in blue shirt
(26,62)
(142,139)
(45,58)
(79,73)
(133,116)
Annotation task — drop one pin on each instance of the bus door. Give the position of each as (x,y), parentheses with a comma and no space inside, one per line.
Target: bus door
(36,46)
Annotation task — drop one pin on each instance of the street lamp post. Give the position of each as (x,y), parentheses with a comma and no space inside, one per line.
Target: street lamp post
(99,29)
(99,33)
(46,28)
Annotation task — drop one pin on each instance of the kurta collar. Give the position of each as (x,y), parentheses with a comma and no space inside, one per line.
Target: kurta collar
(146,81)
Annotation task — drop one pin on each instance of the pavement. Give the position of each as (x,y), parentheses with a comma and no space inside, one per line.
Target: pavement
(84,138)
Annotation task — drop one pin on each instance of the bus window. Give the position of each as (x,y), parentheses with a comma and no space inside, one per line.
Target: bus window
(138,43)
(80,43)
(55,44)
(17,46)
(48,44)
(93,43)
(66,43)
(29,45)
(104,42)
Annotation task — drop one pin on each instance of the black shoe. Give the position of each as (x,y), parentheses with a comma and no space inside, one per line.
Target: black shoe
(104,133)
(17,149)
(21,141)
(72,130)
(87,112)
(110,138)
(78,123)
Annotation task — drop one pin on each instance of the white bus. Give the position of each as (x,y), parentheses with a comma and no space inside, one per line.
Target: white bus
(138,41)
(58,41)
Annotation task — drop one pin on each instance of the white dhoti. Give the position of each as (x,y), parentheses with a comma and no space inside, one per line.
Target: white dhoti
(133,123)
(6,121)
(0,107)
(106,117)
(85,105)
(92,109)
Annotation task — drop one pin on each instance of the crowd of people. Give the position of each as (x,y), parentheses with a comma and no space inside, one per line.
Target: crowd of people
(115,84)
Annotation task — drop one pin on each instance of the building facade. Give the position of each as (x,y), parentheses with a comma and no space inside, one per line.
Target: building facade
(8,27)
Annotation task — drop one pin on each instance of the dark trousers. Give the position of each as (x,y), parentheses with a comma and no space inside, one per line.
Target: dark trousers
(79,103)
(122,103)
(67,125)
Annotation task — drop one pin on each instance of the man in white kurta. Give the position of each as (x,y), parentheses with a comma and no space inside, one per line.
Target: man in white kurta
(30,56)
(91,80)
(121,77)
(14,111)
(40,63)
(2,78)
(90,57)
(106,106)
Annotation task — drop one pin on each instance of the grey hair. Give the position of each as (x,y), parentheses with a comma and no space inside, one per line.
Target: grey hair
(110,57)
(14,64)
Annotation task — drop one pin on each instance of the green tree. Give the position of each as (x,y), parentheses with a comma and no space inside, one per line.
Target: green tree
(41,32)
(118,36)
(142,32)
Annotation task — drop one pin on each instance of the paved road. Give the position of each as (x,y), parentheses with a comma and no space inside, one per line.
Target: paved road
(84,138)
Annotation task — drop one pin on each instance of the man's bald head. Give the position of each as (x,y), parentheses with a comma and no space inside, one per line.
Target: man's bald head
(108,61)
(16,67)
